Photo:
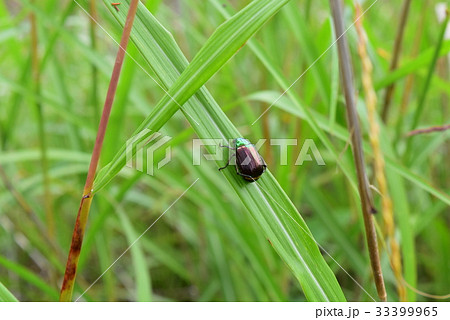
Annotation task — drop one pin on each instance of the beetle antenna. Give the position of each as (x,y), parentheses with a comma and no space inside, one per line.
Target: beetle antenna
(226,147)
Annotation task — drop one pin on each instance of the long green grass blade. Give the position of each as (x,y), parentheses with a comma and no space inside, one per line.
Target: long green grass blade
(265,200)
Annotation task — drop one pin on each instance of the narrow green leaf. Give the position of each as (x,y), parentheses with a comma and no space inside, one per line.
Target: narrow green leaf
(412,66)
(30,277)
(143,281)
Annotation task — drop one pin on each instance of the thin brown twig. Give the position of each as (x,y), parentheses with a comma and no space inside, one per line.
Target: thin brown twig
(428,130)
(356,138)
(86,199)
(395,57)
(426,294)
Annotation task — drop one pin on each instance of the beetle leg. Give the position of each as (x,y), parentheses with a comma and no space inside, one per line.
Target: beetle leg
(264,164)
(228,163)
(226,147)
(245,175)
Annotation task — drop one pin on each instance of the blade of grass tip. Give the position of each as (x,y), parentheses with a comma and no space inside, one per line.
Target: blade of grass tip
(86,199)
(421,101)
(279,220)
(395,57)
(379,163)
(356,142)
(41,127)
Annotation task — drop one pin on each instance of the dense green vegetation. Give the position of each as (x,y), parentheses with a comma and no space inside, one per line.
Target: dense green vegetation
(224,239)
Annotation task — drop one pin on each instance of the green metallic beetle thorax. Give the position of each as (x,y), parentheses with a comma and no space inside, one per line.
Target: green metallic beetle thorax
(241,142)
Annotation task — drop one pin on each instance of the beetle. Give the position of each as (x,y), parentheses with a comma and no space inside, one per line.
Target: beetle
(249,163)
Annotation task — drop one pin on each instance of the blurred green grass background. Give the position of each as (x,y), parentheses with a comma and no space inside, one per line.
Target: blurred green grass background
(207,247)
